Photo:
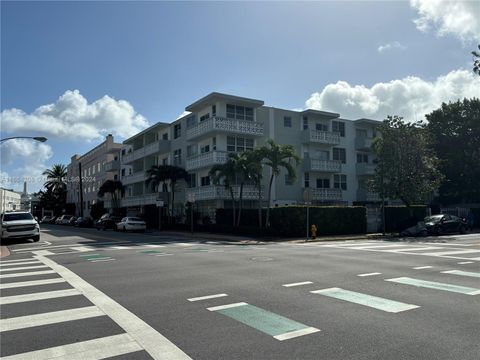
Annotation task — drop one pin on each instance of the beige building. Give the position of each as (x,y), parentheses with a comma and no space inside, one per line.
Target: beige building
(10,200)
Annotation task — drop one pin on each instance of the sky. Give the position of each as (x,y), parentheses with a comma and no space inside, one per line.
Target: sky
(76,71)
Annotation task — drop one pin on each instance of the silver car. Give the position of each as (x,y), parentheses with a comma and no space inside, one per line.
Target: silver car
(19,225)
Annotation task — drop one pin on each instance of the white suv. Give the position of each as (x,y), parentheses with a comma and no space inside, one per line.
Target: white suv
(19,225)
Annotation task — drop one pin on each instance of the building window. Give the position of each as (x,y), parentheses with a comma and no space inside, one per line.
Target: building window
(214,143)
(239,112)
(287,121)
(288,180)
(192,180)
(361,133)
(165,136)
(204,149)
(362,158)
(190,121)
(98,165)
(340,155)
(321,127)
(214,110)
(305,123)
(177,131)
(340,181)
(88,204)
(338,126)
(123,172)
(115,177)
(177,157)
(191,150)
(239,144)
(205,180)
(123,152)
(323,183)
(307,180)
(204,117)
(164,161)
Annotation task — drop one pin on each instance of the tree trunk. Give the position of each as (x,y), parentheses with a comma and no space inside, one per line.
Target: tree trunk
(233,205)
(260,205)
(173,202)
(240,197)
(267,219)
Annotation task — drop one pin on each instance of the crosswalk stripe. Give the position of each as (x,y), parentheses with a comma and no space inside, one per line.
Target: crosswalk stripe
(200,298)
(422,267)
(38,296)
(29,273)
(118,248)
(369,274)
(31,283)
(462,273)
(152,245)
(92,349)
(20,263)
(375,247)
(14,261)
(436,285)
(447,253)
(298,284)
(417,248)
(465,262)
(346,245)
(54,317)
(83,248)
(24,268)
(366,300)
(297,333)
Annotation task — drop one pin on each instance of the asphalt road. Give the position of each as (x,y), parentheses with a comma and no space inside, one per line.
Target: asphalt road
(84,294)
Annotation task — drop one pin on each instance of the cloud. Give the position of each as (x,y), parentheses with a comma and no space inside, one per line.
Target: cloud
(395,45)
(30,159)
(460,18)
(410,97)
(72,117)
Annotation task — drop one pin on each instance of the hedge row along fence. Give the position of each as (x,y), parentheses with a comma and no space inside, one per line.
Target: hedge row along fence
(291,220)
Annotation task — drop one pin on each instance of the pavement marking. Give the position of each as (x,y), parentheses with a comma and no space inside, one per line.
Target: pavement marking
(151,245)
(118,247)
(16,261)
(54,317)
(436,285)
(417,249)
(422,267)
(83,248)
(99,260)
(2,265)
(369,274)
(92,349)
(462,273)
(207,297)
(38,296)
(366,300)
(163,254)
(30,273)
(374,247)
(186,244)
(345,245)
(457,252)
(31,283)
(477,259)
(24,268)
(298,284)
(465,262)
(277,326)
(158,346)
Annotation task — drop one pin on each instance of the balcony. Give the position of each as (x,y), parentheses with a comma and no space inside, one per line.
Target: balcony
(318,165)
(112,166)
(363,143)
(326,194)
(364,169)
(218,192)
(320,137)
(206,160)
(221,124)
(146,199)
(159,146)
(134,178)
(365,195)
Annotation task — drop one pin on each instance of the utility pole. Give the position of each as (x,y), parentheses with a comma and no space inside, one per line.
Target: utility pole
(81,188)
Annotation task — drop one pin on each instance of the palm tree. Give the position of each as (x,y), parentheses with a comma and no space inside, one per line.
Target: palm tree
(159,174)
(56,178)
(255,174)
(114,188)
(476,61)
(226,174)
(277,157)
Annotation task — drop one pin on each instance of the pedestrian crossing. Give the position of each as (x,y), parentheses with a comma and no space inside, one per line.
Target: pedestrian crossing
(23,289)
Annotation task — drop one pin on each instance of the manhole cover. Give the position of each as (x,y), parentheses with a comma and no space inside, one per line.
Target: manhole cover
(262,258)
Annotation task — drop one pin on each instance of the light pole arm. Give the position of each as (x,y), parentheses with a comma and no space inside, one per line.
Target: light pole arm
(36,138)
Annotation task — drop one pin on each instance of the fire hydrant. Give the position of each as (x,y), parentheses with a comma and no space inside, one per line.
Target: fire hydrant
(313,231)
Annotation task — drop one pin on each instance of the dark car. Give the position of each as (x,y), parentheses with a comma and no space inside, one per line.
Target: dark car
(72,221)
(107,221)
(84,222)
(445,223)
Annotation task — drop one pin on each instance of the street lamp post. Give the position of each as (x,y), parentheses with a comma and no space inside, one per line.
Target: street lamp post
(36,138)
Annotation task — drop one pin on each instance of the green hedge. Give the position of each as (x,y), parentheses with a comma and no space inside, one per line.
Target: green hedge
(248,218)
(476,213)
(398,218)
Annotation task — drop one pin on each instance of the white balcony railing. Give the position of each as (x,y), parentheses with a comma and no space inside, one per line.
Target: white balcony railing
(334,166)
(134,178)
(206,160)
(326,194)
(363,143)
(321,137)
(365,195)
(159,146)
(365,169)
(218,192)
(222,124)
(113,165)
(146,199)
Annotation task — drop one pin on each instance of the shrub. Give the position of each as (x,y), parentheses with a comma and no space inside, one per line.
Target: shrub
(398,218)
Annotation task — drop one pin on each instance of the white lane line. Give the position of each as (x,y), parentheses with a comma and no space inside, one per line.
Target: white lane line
(422,267)
(92,349)
(458,252)
(366,300)
(31,283)
(151,245)
(99,260)
(416,249)
(30,273)
(19,263)
(228,306)
(38,296)
(298,284)
(369,274)
(186,244)
(83,248)
(476,259)
(462,273)
(15,261)
(465,262)
(436,285)
(23,268)
(345,245)
(118,248)
(297,333)
(163,254)
(54,317)
(158,346)
(375,247)
(200,298)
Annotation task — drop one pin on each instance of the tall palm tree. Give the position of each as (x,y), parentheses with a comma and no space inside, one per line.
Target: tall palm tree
(254,173)
(114,188)
(226,175)
(476,61)
(56,178)
(277,157)
(159,174)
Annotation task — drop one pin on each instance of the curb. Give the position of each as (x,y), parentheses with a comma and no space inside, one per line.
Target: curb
(4,252)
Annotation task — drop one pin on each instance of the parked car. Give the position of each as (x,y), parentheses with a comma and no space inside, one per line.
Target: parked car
(19,225)
(417,230)
(53,220)
(132,224)
(84,222)
(46,220)
(63,220)
(107,221)
(445,223)
(72,221)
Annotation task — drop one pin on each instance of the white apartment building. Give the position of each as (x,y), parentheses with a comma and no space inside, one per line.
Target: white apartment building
(98,165)
(10,200)
(335,154)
